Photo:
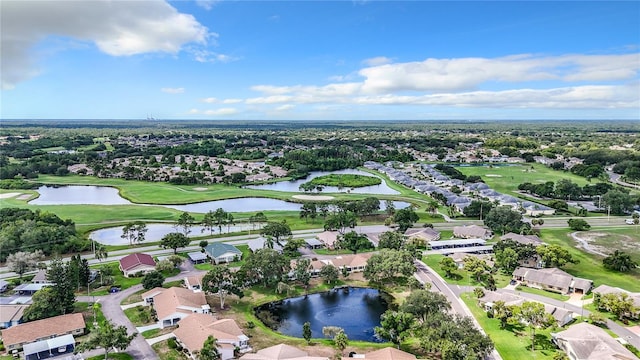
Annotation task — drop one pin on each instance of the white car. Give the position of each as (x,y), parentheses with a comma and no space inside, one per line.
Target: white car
(629,221)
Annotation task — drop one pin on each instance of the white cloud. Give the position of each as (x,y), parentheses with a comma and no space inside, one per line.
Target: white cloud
(172,90)
(206,4)
(376,61)
(231,101)
(117,28)
(202,55)
(214,112)
(212,100)
(285,107)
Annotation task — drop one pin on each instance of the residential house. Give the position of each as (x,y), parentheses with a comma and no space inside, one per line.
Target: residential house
(561,315)
(313,243)
(194,282)
(471,232)
(41,278)
(39,331)
(328,238)
(194,330)
(137,264)
(535,209)
(281,352)
(222,253)
(11,315)
(584,341)
(261,243)
(426,234)
(174,304)
(552,279)
(353,263)
(148,296)
(522,239)
(388,353)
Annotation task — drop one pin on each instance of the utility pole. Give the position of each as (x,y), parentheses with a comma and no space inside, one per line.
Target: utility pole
(608,212)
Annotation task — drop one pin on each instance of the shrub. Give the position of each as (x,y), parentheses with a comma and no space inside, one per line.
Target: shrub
(172,344)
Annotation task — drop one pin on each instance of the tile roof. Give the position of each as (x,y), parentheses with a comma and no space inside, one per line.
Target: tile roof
(389,353)
(9,313)
(34,330)
(522,239)
(195,328)
(132,260)
(474,231)
(177,299)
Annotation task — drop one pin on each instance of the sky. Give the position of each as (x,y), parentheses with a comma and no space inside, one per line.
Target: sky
(319,60)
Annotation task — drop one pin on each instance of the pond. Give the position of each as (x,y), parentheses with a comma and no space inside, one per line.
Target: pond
(155,232)
(74,194)
(356,310)
(294,186)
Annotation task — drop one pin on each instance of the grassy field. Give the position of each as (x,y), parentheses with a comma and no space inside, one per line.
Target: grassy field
(345,180)
(512,343)
(505,179)
(139,315)
(114,356)
(608,239)
(119,280)
(590,265)
(461,276)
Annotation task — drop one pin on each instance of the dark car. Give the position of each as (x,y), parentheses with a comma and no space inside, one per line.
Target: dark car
(114,289)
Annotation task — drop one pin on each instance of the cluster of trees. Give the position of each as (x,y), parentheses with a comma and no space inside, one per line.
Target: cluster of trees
(503,219)
(424,315)
(619,261)
(630,169)
(529,313)
(619,304)
(565,189)
(478,209)
(59,298)
(364,207)
(26,230)
(509,254)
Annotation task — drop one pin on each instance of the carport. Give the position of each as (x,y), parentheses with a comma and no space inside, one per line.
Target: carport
(197,257)
(44,349)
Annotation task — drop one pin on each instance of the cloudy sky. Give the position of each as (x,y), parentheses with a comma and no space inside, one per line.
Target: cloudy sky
(314,60)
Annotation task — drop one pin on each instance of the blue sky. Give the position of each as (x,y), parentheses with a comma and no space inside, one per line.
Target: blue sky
(316,60)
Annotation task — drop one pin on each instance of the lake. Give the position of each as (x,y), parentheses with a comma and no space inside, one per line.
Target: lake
(294,186)
(356,310)
(74,195)
(155,232)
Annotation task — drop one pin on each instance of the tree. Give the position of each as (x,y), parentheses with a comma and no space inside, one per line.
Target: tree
(63,296)
(309,210)
(259,218)
(306,331)
(389,207)
(185,222)
(220,218)
(617,201)
(395,326)
(405,218)
(302,273)
(391,240)
(507,260)
(423,303)
(353,241)
(502,220)
(477,267)
(619,261)
(101,252)
(222,282)
(341,221)
(152,279)
(203,244)
(21,262)
(341,341)
(209,350)
(229,220)
(266,266)
(329,273)
(290,249)
(174,241)
(40,307)
(578,224)
(388,265)
(477,209)
(501,312)
(135,232)
(532,314)
(208,222)
(448,266)
(276,230)
(555,256)
(478,292)
(109,337)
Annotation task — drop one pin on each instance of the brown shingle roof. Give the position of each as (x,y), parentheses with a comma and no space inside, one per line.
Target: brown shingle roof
(471,231)
(427,234)
(522,239)
(591,342)
(45,328)
(177,299)
(389,354)
(132,260)
(195,328)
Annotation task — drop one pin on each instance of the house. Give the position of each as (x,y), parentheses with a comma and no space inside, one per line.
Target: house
(426,234)
(261,243)
(222,253)
(194,330)
(137,264)
(561,315)
(458,258)
(281,352)
(552,279)
(194,282)
(41,278)
(535,209)
(328,238)
(389,353)
(174,304)
(471,231)
(584,341)
(4,285)
(39,331)
(353,263)
(29,289)
(148,296)
(313,243)
(11,314)
(522,239)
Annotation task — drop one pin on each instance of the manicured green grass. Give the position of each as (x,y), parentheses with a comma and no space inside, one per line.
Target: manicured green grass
(139,315)
(332,252)
(123,282)
(508,178)
(461,276)
(513,344)
(541,292)
(345,180)
(590,265)
(150,333)
(165,353)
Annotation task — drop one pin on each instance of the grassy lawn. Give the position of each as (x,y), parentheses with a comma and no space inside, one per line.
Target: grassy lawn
(514,343)
(139,315)
(87,312)
(461,276)
(590,265)
(541,292)
(166,353)
(332,252)
(345,180)
(119,280)
(116,356)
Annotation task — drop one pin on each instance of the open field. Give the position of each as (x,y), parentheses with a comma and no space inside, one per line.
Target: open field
(607,240)
(461,276)
(505,179)
(345,180)
(590,265)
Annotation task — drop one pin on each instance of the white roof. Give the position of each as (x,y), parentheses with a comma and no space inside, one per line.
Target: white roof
(49,344)
(195,256)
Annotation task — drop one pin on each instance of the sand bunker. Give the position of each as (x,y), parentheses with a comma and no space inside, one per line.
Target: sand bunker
(9,195)
(493,175)
(200,189)
(313,197)
(24,197)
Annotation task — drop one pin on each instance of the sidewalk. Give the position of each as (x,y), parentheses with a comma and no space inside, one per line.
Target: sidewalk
(160,338)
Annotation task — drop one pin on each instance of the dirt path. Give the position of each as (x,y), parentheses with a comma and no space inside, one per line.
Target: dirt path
(585,245)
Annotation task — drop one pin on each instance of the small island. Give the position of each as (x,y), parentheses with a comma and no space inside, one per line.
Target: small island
(342,181)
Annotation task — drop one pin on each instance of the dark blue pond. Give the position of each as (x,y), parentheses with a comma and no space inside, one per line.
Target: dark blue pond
(356,310)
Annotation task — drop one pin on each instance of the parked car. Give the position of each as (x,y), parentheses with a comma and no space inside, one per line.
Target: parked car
(629,221)
(114,289)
